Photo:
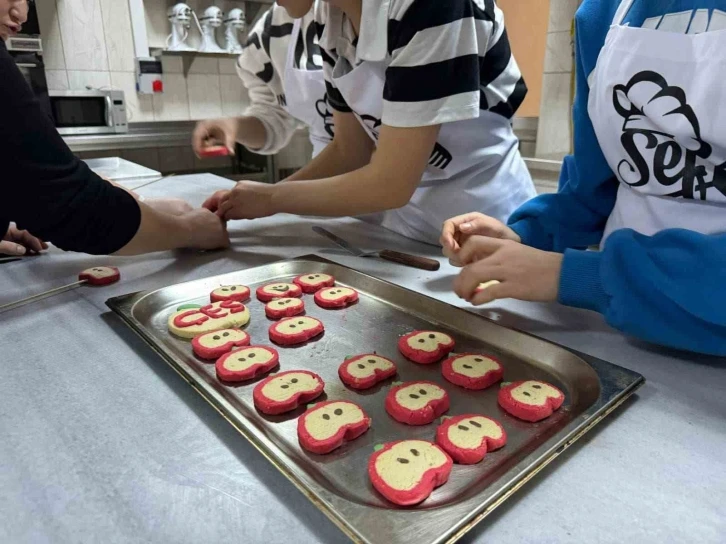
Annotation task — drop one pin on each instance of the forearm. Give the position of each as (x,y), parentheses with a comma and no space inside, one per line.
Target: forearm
(158,231)
(251,132)
(329,163)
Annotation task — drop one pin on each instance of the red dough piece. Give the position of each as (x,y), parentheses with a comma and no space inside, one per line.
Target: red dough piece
(284,307)
(100,275)
(286,391)
(240,293)
(336,297)
(272,291)
(327,425)
(468,438)
(424,462)
(417,403)
(295,330)
(312,283)
(530,400)
(246,363)
(212,345)
(213,151)
(472,371)
(365,371)
(426,347)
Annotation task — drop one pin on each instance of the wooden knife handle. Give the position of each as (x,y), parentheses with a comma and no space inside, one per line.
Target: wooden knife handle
(413,261)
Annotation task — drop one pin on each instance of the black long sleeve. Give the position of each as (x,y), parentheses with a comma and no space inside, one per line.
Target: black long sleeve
(47,190)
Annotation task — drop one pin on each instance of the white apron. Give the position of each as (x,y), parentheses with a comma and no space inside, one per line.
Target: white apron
(475,166)
(658,106)
(305,97)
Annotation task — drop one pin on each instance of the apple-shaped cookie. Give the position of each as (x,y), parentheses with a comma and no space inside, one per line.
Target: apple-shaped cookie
(426,347)
(212,345)
(228,314)
(530,400)
(336,297)
(406,472)
(246,363)
(468,438)
(100,275)
(240,293)
(472,371)
(365,371)
(417,403)
(325,426)
(286,391)
(295,330)
(271,291)
(311,283)
(284,307)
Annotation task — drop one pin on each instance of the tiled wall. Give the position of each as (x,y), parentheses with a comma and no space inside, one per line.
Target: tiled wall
(89,43)
(554,135)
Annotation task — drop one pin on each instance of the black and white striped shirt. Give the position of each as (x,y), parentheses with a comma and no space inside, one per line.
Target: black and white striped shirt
(445,59)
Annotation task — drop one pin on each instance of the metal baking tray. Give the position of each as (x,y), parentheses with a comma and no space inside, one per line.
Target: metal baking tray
(338,483)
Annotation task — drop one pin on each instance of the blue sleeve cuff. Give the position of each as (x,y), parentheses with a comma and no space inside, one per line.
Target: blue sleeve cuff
(532,234)
(580,282)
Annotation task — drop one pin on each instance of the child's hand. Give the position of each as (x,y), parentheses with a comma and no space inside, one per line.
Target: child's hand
(248,200)
(212,203)
(523,272)
(458,230)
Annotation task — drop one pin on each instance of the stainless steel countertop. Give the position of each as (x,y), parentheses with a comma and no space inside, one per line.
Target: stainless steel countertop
(140,135)
(103,443)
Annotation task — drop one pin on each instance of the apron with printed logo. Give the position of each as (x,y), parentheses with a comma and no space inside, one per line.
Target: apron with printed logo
(305,95)
(658,106)
(475,164)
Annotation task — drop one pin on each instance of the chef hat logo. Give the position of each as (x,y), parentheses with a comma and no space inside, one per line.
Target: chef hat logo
(648,104)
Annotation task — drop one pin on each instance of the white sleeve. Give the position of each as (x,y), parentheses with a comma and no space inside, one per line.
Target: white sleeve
(261,68)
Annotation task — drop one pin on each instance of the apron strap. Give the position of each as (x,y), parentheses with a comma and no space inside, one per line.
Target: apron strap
(623,10)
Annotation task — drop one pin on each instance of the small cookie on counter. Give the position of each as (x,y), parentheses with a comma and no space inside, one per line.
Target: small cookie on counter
(406,472)
(246,363)
(472,371)
(212,345)
(295,330)
(100,275)
(530,400)
(336,297)
(365,371)
(312,283)
(284,307)
(468,438)
(271,291)
(285,391)
(240,293)
(327,425)
(426,347)
(417,403)
(228,314)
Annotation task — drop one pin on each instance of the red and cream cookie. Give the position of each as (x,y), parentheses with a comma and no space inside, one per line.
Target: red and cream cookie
(426,347)
(468,438)
(284,307)
(406,472)
(417,403)
(228,314)
(295,330)
(100,275)
(286,391)
(246,363)
(327,425)
(365,371)
(472,371)
(336,297)
(312,283)
(530,400)
(271,291)
(212,345)
(240,293)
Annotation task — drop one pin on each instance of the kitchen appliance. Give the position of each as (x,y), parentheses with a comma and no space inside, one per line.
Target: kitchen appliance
(234,24)
(78,113)
(180,16)
(210,22)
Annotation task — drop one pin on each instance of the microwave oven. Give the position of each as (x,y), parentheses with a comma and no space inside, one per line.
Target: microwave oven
(79,113)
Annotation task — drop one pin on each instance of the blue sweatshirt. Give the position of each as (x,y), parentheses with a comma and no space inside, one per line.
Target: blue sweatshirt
(669,288)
